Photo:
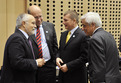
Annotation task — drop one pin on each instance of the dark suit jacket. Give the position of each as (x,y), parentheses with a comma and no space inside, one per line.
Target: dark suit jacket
(104,63)
(74,55)
(120,44)
(19,65)
(51,40)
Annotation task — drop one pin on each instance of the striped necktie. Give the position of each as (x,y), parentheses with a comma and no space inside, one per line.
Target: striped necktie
(38,37)
(68,36)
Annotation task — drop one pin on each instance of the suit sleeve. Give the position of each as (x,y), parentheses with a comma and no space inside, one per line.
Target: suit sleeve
(18,58)
(58,53)
(55,44)
(120,44)
(83,56)
(97,57)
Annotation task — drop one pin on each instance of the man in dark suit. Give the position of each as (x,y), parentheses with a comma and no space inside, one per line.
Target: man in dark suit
(120,44)
(72,54)
(20,65)
(46,73)
(103,52)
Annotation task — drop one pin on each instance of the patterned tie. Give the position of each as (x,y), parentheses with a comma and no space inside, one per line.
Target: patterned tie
(68,36)
(38,37)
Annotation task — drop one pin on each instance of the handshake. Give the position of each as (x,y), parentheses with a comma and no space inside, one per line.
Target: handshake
(40,62)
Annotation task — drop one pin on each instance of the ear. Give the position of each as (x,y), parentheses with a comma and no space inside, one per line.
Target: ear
(93,24)
(23,23)
(74,20)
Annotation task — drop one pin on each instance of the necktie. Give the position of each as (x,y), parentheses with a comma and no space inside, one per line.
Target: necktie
(38,37)
(68,36)
(31,47)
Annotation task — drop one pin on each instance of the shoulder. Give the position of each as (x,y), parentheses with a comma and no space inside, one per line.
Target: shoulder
(15,37)
(80,32)
(65,32)
(101,34)
(47,23)
(102,37)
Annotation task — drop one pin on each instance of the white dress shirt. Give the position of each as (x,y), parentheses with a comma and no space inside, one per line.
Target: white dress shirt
(45,49)
(73,30)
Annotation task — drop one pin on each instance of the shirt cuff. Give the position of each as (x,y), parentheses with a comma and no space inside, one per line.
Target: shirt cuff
(36,62)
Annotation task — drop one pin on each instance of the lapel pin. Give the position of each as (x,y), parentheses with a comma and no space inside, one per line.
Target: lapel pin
(73,35)
(46,31)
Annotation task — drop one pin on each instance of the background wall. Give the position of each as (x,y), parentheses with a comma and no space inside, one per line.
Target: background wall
(109,10)
(9,10)
(53,11)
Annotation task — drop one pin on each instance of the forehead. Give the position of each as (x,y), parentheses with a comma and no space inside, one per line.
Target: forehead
(84,22)
(67,16)
(31,18)
(36,13)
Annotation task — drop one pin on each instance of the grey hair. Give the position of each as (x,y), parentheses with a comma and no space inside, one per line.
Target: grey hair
(92,17)
(21,18)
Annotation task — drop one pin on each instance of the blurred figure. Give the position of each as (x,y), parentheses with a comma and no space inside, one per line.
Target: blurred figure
(45,46)
(103,52)
(120,44)
(72,54)
(19,64)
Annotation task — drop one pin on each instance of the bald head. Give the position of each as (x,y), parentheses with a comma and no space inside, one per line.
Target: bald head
(33,9)
(37,13)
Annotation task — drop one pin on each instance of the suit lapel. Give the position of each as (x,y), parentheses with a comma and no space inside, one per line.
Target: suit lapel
(25,39)
(46,31)
(45,28)
(34,38)
(100,29)
(64,39)
(74,35)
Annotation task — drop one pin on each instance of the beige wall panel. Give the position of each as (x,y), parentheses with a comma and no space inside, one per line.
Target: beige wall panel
(9,10)
(14,8)
(2,28)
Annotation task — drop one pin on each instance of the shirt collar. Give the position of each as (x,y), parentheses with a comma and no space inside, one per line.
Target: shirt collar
(40,26)
(25,34)
(96,29)
(73,30)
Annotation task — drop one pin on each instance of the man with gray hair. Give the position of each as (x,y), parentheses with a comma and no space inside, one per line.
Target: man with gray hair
(103,52)
(19,65)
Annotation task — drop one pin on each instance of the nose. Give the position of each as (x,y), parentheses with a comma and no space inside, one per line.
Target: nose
(39,19)
(63,22)
(34,26)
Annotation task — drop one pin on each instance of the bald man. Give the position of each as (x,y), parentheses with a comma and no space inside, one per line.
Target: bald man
(19,64)
(46,73)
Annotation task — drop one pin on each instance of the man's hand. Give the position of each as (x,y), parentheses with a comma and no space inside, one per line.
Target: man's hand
(64,68)
(59,62)
(40,62)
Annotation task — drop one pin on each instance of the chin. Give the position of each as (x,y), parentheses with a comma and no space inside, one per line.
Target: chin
(38,24)
(31,33)
(66,27)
